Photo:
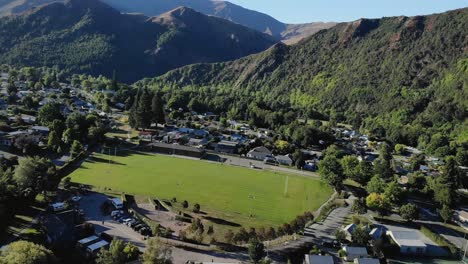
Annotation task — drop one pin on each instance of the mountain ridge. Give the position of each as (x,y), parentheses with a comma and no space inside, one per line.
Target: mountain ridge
(134,46)
(289,33)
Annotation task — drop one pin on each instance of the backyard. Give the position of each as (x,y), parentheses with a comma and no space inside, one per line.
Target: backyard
(248,197)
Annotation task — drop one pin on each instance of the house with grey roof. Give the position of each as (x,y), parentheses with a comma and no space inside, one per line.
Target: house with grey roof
(318,259)
(409,242)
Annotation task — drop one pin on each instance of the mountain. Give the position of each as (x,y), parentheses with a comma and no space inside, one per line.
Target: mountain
(88,36)
(290,33)
(403,78)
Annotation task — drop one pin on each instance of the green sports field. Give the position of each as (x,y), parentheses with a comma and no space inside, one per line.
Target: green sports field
(246,196)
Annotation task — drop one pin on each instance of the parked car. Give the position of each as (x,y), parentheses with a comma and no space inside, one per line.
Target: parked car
(116,212)
(76,199)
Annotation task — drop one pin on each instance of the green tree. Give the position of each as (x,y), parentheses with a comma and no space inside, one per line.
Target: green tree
(157,253)
(76,148)
(394,193)
(409,212)
(70,135)
(48,113)
(375,185)
(359,206)
(114,255)
(377,202)
(360,236)
(340,235)
(144,114)
(54,141)
(32,174)
(446,213)
(57,126)
(331,171)
(256,250)
(24,252)
(196,208)
(365,172)
(157,109)
(350,166)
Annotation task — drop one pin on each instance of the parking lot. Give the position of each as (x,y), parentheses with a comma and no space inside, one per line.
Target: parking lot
(91,205)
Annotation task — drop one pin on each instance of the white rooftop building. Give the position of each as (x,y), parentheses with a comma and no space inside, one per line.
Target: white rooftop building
(409,242)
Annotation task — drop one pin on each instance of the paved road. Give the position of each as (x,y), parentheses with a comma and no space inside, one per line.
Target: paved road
(318,232)
(243,162)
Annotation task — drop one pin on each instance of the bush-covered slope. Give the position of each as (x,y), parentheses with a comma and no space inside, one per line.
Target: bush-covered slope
(402,77)
(87,36)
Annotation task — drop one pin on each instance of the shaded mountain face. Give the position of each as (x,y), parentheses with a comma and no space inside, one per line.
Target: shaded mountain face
(226,10)
(400,77)
(88,36)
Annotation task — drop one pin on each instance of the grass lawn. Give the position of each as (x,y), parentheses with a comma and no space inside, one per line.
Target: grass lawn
(227,192)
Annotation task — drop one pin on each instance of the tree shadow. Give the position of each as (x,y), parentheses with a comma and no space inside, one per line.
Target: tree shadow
(220,221)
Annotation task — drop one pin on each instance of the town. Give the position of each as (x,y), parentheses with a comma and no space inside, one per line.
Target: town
(106,179)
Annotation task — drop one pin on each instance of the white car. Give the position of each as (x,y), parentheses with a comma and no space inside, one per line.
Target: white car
(76,198)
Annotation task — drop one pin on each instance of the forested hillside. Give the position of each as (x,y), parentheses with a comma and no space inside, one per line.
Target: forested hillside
(403,78)
(87,36)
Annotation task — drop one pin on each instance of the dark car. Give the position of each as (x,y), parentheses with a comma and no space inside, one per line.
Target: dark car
(145,231)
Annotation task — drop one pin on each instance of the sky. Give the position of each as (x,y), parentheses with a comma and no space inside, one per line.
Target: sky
(302,11)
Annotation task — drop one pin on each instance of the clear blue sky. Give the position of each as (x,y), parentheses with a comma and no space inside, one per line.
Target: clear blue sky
(301,11)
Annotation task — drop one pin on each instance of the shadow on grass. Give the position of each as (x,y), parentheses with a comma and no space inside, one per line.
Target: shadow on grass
(94,159)
(220,221)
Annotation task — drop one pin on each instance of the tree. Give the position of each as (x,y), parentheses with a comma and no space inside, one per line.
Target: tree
(70,135)
(365,172)
(54,141)
(400,149)
(157,109)
(377,202)
(331,171)
(446,213)
(375,185)
(196,208)
(48,113)
(393,192)
(32,174)
(359,206)
(360,236)
(76,148)
(185,204)
(57,126)
(256,250)
(350,166)
(144,114)
(210,230)
(340,235)
(157,253)
(115,253)
(24,252)
(409,212)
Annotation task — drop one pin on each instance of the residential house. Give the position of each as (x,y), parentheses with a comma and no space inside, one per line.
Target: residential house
(196,142)
(317,259)
(284,160)
(226,146)
(259,153)
(409,242)
(42,130)
(349,229)
(355,252)
(366,261)
(377,233)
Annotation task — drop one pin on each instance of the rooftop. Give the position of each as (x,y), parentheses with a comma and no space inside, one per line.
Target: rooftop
(317,259)
(406,238)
